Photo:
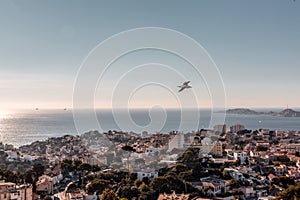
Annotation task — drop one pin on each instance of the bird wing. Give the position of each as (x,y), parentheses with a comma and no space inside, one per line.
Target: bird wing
(182,88)
(186,83)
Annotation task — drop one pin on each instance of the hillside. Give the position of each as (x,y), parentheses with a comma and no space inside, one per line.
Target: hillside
(246,111)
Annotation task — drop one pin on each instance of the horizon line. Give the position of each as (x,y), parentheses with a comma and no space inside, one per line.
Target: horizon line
(145,108)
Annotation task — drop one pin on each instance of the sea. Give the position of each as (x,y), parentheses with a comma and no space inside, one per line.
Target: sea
(24,127)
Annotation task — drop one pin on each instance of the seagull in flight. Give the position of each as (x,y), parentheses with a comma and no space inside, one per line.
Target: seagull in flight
(185,85)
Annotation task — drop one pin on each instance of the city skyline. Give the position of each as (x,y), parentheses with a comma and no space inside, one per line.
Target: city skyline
(255,46)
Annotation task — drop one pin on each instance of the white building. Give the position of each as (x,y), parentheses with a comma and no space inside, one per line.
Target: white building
(242,156)
(254,154)
(220,185)
(235,174)
(248,191)
(150,173)
(11,155)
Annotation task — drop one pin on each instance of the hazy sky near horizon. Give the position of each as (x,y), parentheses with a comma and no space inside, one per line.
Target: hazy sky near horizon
(255,44)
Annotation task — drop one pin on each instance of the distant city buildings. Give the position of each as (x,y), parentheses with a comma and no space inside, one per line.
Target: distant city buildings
(236,128)
(220,128)
(253,159)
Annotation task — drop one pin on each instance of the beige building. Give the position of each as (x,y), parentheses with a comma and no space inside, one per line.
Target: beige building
(11,191)
(217,148)
(236,127)
(45,184)
(75,195)
(173,196)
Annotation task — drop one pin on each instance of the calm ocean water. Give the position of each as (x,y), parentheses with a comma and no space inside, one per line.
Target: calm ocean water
(25,127)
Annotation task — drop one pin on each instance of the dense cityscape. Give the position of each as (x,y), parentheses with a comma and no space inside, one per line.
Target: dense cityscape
(149,100)
(222,163)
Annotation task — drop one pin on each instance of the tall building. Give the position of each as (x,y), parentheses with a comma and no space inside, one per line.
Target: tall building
(220,128)
(206,147)
(236,127)
(217,148)
(176,142)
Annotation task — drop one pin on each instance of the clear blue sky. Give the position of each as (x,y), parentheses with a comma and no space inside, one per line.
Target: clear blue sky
(256,45)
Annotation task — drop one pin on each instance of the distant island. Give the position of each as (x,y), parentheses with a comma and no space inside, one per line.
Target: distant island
(245,111)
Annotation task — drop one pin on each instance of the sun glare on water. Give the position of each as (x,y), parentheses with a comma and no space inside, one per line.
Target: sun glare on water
(4,114)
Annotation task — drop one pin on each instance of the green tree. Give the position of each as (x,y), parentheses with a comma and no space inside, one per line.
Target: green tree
(109,195)
(190,156)
(146,180)
(137,183)
(179,167)
(234,184)
(247,176)
(66,166)
(127,191)
(85,167)
(261,148)
(292,192)
(76,164)
(47,198)
(226,175)
(128,148)
(283,181)
(8,175)
(186,175)
(167,184)
(29,176)
(39,169)
(144,188)
(146,193)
